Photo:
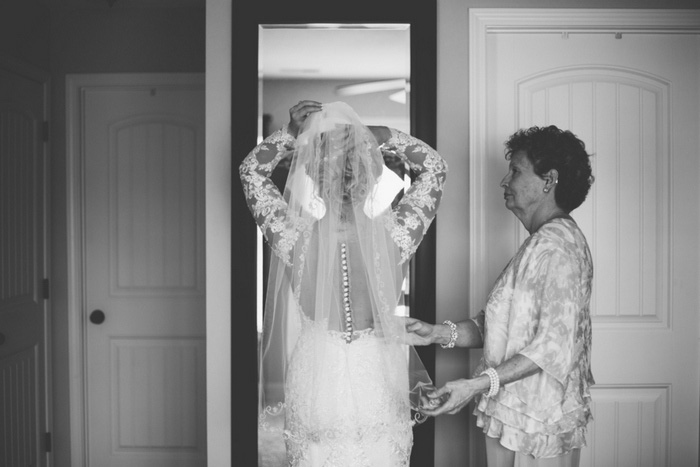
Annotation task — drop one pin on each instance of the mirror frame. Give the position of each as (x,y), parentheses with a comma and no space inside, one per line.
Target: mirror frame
(246,17)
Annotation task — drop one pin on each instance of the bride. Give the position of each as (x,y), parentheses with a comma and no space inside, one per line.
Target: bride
(337,384)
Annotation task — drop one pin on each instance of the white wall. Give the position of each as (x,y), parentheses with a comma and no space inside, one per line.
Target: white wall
(452,255)
(24,32)
(218,228)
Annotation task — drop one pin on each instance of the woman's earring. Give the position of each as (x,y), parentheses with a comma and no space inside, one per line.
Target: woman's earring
(546,190)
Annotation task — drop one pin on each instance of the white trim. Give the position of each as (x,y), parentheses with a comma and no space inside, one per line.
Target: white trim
(76,84)
(585,20)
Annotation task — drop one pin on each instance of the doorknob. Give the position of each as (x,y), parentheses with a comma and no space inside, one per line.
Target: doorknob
(97,317)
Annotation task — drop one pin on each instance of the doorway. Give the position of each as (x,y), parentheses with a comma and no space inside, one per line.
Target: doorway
(631,93)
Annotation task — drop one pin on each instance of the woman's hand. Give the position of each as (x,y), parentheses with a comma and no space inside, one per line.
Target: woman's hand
(453,396)
(419,332)
(299,113)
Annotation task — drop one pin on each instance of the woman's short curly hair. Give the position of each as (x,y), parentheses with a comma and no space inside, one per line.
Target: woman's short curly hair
(550,148)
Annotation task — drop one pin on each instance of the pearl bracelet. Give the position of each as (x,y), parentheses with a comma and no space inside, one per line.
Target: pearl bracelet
(494,382)
(453,335)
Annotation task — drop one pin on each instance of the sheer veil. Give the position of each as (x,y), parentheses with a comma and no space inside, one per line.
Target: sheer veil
(336,277)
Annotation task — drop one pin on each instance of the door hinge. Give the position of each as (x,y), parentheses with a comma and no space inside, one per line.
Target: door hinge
(45,131)
(47,441)
(46,287)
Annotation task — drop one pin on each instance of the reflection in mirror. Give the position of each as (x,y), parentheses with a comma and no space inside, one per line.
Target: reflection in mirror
(365,65)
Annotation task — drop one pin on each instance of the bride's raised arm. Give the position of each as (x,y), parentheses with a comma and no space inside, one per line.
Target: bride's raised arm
(415,212)
(264,199)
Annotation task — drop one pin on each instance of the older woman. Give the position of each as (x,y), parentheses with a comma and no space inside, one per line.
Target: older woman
(532,386)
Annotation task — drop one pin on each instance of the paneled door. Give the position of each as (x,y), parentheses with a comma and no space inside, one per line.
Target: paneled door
(144,310)
(631,91)
(23,267)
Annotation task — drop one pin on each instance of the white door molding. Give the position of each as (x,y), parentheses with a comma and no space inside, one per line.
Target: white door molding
(76,85)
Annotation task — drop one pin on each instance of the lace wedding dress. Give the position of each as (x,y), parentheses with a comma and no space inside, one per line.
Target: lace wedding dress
(337,383)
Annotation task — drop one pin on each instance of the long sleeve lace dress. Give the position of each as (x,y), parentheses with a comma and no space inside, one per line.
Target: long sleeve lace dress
(344,396)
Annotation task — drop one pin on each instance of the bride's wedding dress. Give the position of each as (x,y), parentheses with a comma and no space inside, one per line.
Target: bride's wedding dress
(337,383)
(354,416)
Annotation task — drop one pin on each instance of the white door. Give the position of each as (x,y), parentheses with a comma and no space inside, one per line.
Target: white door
(143,159)
(634,99)
(23,416)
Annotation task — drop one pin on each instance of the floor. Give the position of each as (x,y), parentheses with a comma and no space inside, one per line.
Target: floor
(271,452)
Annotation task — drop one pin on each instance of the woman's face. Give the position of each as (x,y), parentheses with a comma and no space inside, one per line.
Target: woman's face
(522,187)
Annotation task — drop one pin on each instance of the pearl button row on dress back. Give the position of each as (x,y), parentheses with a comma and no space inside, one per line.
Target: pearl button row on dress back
(346,293)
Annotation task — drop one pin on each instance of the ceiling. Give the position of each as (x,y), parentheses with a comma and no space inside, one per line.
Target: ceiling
(373,52)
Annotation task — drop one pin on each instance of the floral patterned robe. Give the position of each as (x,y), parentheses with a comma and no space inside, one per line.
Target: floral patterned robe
(539,308)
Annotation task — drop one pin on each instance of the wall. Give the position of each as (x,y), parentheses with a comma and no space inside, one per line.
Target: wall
(24,32)
(100,39)
(218,231)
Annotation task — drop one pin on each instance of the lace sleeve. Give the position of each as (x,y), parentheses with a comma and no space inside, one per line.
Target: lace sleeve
(264,200)
(412,217)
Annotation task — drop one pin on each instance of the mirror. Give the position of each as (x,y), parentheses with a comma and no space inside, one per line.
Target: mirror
(310,61)
(335,62)
(247,18)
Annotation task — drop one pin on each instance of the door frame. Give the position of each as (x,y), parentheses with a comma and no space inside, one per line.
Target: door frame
(485,21)
(76,85)
(30,72)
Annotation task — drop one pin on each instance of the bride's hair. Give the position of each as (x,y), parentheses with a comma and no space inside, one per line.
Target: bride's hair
(343,171)
(341,156)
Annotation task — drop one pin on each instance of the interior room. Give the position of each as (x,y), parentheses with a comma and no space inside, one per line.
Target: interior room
(97,67)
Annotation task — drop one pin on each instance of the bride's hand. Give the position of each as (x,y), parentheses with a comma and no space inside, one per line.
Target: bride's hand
(299,113)
(419,332)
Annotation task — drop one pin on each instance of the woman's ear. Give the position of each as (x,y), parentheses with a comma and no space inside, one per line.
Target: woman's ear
(551,179)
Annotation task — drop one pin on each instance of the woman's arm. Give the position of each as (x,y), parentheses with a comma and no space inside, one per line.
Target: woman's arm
(457,394)
(469,334)
(418,207)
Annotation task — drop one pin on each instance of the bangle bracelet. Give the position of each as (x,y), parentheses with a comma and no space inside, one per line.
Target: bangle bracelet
(494,381)
(453,335)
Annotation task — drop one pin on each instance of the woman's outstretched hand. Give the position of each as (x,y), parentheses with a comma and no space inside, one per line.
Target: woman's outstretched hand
(299,113)
(419,332)
(451,398)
